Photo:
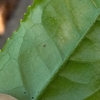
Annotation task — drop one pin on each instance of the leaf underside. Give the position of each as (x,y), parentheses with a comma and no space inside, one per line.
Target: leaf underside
(54,55)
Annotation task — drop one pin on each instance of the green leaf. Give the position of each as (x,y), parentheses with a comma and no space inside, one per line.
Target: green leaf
(54,55)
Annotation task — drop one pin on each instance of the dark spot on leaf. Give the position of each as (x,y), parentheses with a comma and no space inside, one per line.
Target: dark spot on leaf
(32,97)
(44,45)
(24,92)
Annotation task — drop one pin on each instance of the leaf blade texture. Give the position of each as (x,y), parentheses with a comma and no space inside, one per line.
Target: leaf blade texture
(54,53)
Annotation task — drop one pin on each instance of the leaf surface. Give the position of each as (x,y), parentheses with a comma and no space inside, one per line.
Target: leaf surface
(54,55)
